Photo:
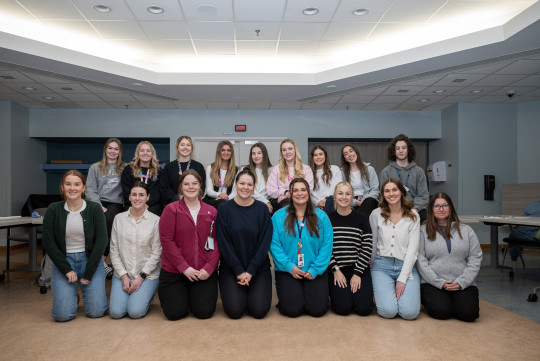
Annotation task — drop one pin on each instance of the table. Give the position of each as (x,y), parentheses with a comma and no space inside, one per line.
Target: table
(494,222)
(31,223)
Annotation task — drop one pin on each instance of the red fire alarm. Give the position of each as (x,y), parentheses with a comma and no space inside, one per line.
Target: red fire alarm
(240,128)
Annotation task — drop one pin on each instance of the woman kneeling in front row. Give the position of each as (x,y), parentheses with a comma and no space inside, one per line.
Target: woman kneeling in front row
(135,255)
(301,248)
(448,260)
(188,280)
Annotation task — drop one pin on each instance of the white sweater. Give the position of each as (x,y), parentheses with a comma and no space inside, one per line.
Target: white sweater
(325,190)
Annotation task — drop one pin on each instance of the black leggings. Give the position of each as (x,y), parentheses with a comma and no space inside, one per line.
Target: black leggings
(442,304)
(367,206)
(344,301)
(256,298)
(299,296)
(178,295)
(112,210)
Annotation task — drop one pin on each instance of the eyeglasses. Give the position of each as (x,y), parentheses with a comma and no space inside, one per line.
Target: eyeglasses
(438,207)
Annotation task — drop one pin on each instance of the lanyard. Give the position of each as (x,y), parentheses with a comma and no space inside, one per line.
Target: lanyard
(221,185)
(145,179)
(180,167)
(300,227)
(211,228)
(407,180)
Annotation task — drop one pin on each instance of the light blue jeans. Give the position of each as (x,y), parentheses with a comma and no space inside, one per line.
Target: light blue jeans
(136,304)
(65,294)
(384,273)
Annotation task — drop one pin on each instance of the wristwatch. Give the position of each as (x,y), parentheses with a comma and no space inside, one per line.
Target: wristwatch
(143,275)
(335,269)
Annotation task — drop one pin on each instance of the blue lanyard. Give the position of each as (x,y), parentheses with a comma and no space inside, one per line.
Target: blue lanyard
(300,229)
(399,176)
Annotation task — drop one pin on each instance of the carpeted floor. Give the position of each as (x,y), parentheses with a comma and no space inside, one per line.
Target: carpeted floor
(28,332)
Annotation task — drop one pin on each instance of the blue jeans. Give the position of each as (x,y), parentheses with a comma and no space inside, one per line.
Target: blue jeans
(384,273)
(135,304)
(65,294)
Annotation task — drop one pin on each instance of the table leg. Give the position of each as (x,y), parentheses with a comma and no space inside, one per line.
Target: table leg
(494,234)
(32,249)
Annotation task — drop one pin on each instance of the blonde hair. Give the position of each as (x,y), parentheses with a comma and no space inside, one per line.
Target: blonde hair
(344,183)
(118,165)
(231,167)
(298,166)
(182,137)
(135,163)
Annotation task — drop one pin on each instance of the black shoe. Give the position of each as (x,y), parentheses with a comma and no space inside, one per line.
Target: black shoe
(109,272)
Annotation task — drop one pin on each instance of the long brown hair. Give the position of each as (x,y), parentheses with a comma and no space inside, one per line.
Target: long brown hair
(135,164)
(359,163)
(216,166)
(265,165)
(312,221)
(298,166)
(432,226)
(406,205)
(326,174)
(118,165)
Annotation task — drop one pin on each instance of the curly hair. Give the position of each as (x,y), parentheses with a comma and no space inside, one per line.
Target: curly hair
(432,226)
(391,150)
(406,205)
(327,174)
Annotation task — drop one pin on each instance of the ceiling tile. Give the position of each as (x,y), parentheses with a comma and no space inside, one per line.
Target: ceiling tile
(126,105)
(532,80)
(451,99)
(449,80)
(119,10)
(174,47)
(448,90)
(381,106)
(395,32)
(101,90)
(159,105)
(259,10)
(357,99)
(72,27)
(294,9)
(331,48)
(521,67)
(246,31)
(95,105)
(205,47)
(403,90)
(62,9)
(165,29)
(303,31)
(316,106)
(38,88)
(15,10)
(341,106)
(486,69)
(222,105)
(39,97)
(413,11)
(82,97)
(387,99)
(498,80)
(34,105)
(16,97)
(286,106)
(181,105)
(436,107)
(212,30)
(348,31)
(376,10)
(119,29)
(424,81)
(295,47)
(18,77)
(46,79)
(258,106)
(121,97)
(69,88)
(135,47)
(172,10)
(200,11)
(469,90)
(266,48)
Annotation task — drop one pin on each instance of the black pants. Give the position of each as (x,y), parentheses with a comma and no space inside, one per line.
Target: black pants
(256,298)
(213,202)
(178,295)
(112,210)
(423,215)
(367,206)
(344,301)
(278,205)
(299,296)
(442,304)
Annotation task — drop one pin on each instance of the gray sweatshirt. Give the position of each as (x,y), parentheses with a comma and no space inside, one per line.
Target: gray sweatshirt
(413,178)
(462,264)
(103,188)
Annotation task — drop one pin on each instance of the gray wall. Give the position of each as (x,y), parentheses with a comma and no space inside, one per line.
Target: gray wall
(528,144)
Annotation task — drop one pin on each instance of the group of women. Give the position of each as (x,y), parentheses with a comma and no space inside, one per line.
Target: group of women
(333,241)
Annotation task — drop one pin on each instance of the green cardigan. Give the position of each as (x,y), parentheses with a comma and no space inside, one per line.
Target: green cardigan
(95,235)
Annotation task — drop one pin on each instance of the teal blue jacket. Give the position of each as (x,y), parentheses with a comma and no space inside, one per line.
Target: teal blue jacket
(95,235)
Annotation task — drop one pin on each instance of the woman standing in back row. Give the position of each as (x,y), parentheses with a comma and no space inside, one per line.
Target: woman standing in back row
(143,167)
(290,167)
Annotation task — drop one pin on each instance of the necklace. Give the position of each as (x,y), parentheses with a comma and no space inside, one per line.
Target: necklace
(76,208)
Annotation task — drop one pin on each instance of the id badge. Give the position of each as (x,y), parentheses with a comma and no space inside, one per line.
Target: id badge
(300,260)
(209,246)
(407,189)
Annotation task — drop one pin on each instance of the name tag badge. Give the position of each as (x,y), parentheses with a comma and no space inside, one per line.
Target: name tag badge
(209,246)
(300,260)
(407,189)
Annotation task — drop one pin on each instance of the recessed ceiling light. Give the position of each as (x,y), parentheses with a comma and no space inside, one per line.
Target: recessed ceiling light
(458,80)
(207,9)
(310,11)
(360,12)
(28,88)
(331,86)
(66,88)
(403,91)
(48,98)
(439,91)
(155,10)
(102,8)
(424,100)
(7,77)
(137,84)
(477,91)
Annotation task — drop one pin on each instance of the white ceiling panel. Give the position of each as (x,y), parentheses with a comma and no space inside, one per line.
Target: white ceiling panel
(303,31)
(266,48)
(499,80)
(341,106)
(119,10)
(73,27)
(316,106)
(403,90)
(352,99)
(126,105)
(68,88)
(387,99)
(119,29)
(330,48)
(137,47)
(521,67)
(286,106)
(347,31)
(212,30)
(294,9)
(293,47)
(413,11)
(436,107)
(376,10)
(95,105)
(82,97)
(174,47)
(171,10)
(247,31)
(40,97)
(219,10)
(158,105)
(165,29)
(36,105)
(259,10)
(45,79)
(461,11)
(181,105)
(18,77)
(104,91)
(18,87)
(16,97)
(395,32)
(486,69)
(120,97)
(372,106)
(451,99)
(455,80)
(62,9)
(15,10)
(448,90)
(205,47)
(532,80)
